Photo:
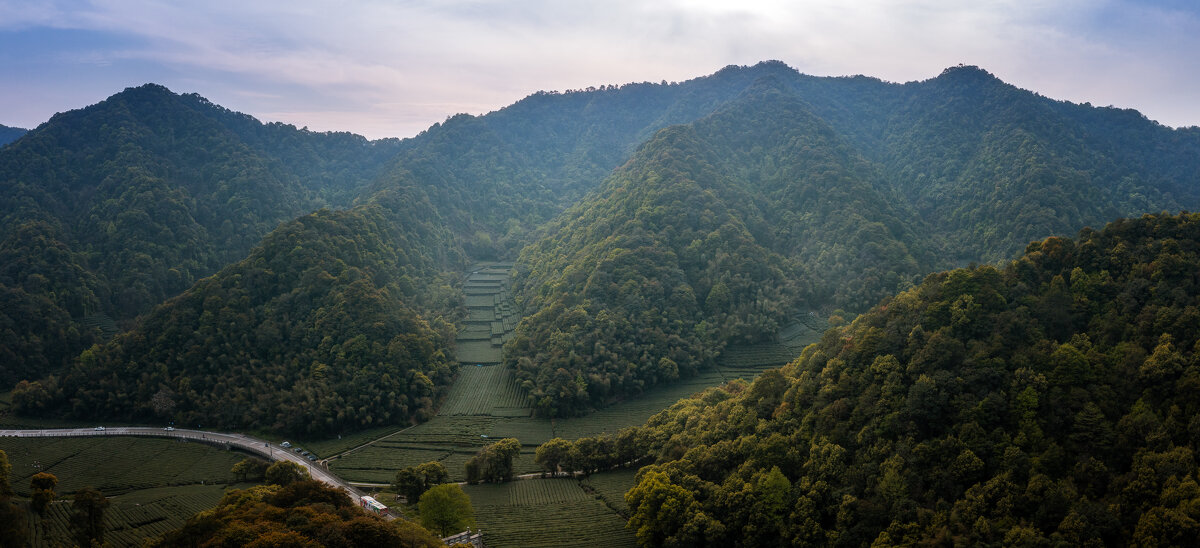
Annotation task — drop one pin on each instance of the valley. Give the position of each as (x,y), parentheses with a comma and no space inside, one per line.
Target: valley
(814,310)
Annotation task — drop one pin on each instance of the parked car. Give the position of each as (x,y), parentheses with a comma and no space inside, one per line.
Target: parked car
(285,444)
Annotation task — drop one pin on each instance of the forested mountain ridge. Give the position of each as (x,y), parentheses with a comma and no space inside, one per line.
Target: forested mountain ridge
(874,185)
(824,193)
(10,134)
(715,232)
(108,210)
(497,177)
(993,166)
(337,321)
(1051,401)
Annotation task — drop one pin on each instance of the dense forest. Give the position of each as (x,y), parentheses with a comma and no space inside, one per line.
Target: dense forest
(722,230)
(1048,402)
(109,210)
(653,225)
(322,329)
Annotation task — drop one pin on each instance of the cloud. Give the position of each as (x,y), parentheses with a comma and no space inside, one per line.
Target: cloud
(392,68)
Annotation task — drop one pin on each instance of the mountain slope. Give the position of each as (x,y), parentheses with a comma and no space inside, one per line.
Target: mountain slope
(993,166)
(320,330)
(864,185)
(1048,402)
(715,232)
(10,134)
(108,210)
(496,177)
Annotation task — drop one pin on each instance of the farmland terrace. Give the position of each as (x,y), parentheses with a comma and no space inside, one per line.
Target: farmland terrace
(491,314)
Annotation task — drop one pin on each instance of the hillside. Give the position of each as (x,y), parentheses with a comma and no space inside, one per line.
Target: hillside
(654,225)
(497,177)
(108,210)
(1045,402)
(10,134)
(716,232)
(864,186)
(333,323)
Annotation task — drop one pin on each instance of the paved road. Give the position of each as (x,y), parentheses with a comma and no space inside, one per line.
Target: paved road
(246,443)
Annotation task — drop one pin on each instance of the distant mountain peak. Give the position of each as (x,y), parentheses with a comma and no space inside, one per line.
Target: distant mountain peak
(966,73)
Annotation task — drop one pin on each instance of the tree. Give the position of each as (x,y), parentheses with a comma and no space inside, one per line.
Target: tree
(5,474)
(412,481)
(447,509)
(41,487)
(285,472)
(12,518)
(250,469)
(493,463)
(87,520)
(433,473)
(552,454)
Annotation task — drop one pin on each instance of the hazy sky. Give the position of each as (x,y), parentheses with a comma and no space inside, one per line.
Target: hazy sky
(392,68)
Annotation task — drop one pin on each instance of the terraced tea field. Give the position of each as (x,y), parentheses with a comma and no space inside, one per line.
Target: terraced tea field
(486,390)
(611,487)
(154,485)
(131,519)
(116,465)
(491,314)
(543,513)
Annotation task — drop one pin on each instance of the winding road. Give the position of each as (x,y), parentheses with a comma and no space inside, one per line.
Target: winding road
(245,443)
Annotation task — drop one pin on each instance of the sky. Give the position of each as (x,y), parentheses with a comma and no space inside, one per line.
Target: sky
(393,68)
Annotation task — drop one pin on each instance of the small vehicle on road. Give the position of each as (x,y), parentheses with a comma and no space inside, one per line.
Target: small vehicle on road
(286,444)
(99,428)
(169,429)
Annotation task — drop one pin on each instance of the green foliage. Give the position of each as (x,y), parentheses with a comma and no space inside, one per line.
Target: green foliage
(494,462)
(284,473)
(113,208)
(301,514)
(699,242)
(412,481)
(10,134)
(41,489)
(553,454)
(250,469)
(446,509)
(6,489)
(1048,402)
(311,334)
(87,518)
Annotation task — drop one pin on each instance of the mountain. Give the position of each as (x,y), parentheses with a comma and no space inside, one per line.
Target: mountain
(10,134)
(497,177)
(331,324)
(654,224)
(862,185)
(1048,402)
(715,232)
(108,210)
